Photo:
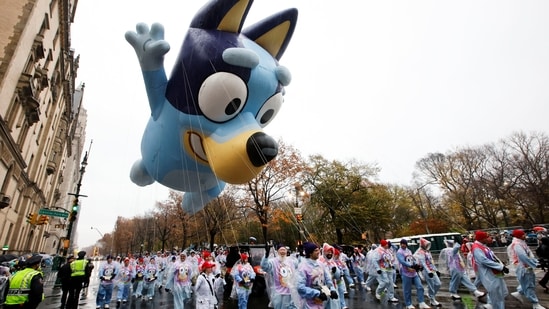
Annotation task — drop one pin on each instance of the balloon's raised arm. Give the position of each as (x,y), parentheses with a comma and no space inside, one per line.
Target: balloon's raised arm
(149,45)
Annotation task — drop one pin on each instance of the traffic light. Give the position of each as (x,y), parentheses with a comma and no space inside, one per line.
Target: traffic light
(43,219)
(32,218)
(74,212)
(72,216)
(299,217)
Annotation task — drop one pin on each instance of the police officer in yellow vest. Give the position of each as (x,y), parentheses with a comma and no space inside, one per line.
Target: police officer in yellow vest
(26,286)
(78,272)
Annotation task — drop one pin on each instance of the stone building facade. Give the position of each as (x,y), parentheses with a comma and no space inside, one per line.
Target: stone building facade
(42,122)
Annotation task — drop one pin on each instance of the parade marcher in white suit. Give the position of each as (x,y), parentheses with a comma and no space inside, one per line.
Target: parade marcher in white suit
(162,263)
(204,288)
(490,270)
(126,273)
(244,276)
(178,281)
(149,282)
(452,263)
(370,268)
(408,272)
(107,273)
(382,261)
(430,272)
(525,263)
(282,270)
(341,288)
(139,277)
(336,276)
(314,284)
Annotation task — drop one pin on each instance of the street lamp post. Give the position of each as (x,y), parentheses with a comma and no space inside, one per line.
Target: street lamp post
(95,251)
(298,212)
(94,228)
(75,204)
(102,236)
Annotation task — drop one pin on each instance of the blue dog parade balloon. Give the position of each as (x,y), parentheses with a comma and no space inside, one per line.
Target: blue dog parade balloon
(206,122)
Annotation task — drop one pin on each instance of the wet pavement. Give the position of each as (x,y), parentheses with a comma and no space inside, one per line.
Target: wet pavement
(356,298)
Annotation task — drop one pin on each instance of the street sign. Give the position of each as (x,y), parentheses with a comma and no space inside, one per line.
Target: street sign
(53,213)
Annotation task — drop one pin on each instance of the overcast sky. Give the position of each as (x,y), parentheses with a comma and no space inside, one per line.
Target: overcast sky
(383,82)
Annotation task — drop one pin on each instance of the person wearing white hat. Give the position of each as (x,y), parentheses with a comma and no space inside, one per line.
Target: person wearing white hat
(282,270)
(452,263)
(179,281)
(370,268)
(162,262)
(430,271)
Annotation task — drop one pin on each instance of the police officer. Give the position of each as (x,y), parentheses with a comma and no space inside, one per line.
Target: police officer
(26,286)
(78,272)
(64,275)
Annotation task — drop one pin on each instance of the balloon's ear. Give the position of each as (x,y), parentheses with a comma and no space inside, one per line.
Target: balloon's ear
(274,33)
(228,15)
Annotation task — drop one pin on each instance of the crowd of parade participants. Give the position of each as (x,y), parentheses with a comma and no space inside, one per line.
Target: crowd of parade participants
(320,275)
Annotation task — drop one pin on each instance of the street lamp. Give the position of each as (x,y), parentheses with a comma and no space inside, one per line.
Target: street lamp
(94,228)
(75,204)
(102,236)
(297,210)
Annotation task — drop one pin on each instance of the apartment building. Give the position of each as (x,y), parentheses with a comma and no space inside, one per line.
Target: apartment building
(42,123)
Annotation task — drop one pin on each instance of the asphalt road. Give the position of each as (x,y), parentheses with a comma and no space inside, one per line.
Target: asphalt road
(357,298)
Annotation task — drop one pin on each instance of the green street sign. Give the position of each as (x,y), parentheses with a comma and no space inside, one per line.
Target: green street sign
(53,213)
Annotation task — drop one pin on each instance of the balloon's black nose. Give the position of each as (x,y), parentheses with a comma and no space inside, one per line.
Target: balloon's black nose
(261,148)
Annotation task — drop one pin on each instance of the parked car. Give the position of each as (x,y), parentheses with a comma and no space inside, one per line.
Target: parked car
(531,238)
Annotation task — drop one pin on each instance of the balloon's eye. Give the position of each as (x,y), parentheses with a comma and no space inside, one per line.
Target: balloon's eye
(222,96)
(269,109)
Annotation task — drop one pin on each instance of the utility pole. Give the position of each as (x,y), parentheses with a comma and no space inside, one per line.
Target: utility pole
(75,204)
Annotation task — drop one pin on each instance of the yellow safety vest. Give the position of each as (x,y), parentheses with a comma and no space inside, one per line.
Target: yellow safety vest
(78,268)
(20,283)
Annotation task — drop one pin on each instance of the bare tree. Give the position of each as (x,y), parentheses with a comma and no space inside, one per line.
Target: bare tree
(275,180)
(165,219)
(218,216)
(457,175)
(495,184)
(530,159)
